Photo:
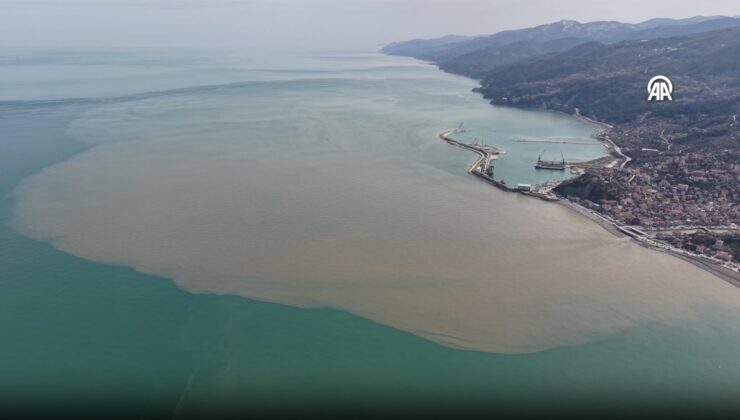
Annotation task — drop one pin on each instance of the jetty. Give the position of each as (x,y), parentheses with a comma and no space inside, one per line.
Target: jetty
(483,167)
(486,153)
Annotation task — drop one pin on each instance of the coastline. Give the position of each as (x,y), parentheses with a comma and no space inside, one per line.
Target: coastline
(725,273)
(614,227)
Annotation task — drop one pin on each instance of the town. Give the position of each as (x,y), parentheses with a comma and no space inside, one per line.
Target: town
(687,199)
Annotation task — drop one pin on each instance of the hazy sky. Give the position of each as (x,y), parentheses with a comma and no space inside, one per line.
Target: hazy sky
(364,24)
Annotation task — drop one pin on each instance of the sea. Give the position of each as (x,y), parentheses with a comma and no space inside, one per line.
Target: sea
(186,230)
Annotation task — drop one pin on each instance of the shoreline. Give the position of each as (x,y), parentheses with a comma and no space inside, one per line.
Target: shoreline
(614,227)
(725,273)
(488,154)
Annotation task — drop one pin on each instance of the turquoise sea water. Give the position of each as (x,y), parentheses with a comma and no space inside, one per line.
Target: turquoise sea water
(80,332)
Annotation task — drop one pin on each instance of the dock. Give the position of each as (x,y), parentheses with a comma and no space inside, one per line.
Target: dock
(487,154)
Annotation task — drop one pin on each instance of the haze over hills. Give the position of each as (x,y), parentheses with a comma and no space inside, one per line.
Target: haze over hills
(602,31)
(475,56)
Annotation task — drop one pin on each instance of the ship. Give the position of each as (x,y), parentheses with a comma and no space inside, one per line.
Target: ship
(550,164)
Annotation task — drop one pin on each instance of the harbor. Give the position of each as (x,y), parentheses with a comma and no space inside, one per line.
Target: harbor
(483,168)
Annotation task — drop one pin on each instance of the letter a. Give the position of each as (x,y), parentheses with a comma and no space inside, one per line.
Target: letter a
(654,92)
(665,93)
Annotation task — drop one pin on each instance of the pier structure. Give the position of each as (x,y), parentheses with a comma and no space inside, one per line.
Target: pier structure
(483,168)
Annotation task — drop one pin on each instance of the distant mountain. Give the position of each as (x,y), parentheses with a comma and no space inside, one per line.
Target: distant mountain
(478,63)
(652,23)
(424,48)
(607,82)
(442,49)
(475,56)
(676,29)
